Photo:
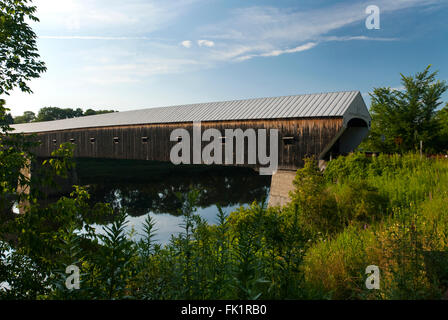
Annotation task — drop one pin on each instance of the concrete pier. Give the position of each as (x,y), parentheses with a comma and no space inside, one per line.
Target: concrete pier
(64,185)
(281,185)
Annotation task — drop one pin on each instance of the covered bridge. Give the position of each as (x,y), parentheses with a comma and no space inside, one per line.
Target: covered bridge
(308,125)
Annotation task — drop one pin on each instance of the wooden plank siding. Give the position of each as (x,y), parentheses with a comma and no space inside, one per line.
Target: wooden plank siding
(311,136)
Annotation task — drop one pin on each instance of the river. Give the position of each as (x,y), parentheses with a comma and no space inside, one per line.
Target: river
(142,187)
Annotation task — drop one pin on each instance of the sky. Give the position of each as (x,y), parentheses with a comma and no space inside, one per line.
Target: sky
(133,54)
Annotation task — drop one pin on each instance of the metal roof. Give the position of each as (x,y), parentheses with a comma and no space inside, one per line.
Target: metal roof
(333,104)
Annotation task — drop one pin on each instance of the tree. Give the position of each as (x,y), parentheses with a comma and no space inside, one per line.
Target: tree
(442,118)
(27,117)
(27,271)
(7,118)
(91,112)
(19,60)
(72,113)
(403,118)
(53,113)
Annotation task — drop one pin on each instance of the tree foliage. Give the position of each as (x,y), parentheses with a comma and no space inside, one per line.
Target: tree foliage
(7,119)
(403,118)
(55,113)
(442,118)
(91,112)
(19,60)
(27,117)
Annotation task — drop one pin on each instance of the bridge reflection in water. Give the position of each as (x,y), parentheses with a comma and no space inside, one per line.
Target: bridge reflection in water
(142,187)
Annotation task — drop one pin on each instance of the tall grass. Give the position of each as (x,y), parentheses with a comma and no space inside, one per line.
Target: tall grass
(407,240)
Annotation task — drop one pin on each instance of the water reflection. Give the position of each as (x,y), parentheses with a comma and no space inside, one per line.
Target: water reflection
(142,187)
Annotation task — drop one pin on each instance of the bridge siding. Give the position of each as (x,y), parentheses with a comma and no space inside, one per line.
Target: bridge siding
(312,135)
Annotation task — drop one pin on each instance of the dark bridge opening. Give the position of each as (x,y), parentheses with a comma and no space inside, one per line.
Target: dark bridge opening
(356,130)
(357,123)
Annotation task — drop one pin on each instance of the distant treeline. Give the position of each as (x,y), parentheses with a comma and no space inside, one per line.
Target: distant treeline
(54,113)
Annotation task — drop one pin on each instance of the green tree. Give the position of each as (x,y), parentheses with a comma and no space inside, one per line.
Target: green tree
(7,119)
(403,118)
(27,117)
(442,118)
(19,60)
(74,113)
(54,113)
(91,112)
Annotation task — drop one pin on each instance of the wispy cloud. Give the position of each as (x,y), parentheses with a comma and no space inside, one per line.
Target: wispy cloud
(301,48)
(206,43)
(353,38)
(276,53)
(311,45)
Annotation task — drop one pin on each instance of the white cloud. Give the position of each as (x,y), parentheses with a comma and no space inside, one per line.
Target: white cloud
(206,43)
(187,43)
(350,38)
(276,53)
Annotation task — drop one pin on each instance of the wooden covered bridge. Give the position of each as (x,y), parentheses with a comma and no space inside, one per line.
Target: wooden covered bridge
(319,125)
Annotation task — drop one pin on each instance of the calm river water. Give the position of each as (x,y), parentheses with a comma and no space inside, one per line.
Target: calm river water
(142,187)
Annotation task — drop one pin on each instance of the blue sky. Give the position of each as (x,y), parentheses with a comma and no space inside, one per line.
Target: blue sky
(146,53)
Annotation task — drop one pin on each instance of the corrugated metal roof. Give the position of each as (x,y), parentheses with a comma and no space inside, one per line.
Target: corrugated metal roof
(333,104)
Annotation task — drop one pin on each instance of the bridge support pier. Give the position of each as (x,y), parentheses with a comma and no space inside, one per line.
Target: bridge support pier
(65,185)
(23,205)
(8,200)
(281,185)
